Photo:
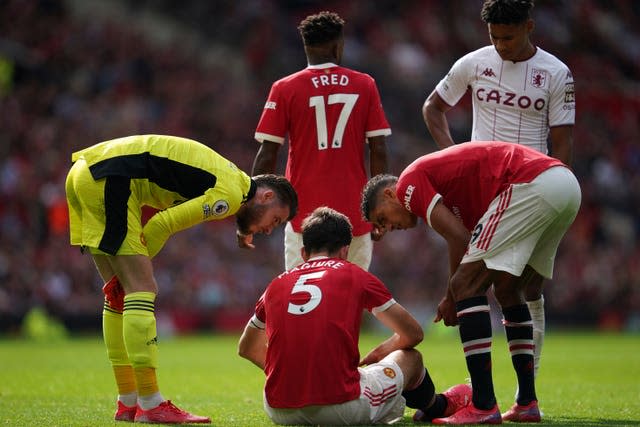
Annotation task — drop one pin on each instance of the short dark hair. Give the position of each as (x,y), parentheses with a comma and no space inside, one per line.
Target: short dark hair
(371,191)
(325,229)
(506,12)
(321,28)
(283,189)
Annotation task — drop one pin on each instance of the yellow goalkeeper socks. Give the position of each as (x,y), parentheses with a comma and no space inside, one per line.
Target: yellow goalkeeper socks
(114,341)
(125,378)
(139,325)
(148,391)
(113,338)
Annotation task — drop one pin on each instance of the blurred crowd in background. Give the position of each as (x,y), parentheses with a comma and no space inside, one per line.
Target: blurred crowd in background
(74,73)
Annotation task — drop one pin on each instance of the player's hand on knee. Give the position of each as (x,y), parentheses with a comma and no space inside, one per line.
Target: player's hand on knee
(447,312)
(369,359)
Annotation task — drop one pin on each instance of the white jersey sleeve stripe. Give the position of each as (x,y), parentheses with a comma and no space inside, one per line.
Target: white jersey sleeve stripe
(261,137)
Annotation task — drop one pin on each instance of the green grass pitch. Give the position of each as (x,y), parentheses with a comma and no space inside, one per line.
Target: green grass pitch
(587,379)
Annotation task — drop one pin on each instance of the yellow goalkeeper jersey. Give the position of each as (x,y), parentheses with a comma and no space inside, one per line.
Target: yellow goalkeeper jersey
(186,180)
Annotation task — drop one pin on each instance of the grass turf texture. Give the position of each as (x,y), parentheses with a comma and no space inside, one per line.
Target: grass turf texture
(586,379)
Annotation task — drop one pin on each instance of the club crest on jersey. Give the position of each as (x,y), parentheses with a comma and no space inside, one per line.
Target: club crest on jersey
(538,77)
(389,372)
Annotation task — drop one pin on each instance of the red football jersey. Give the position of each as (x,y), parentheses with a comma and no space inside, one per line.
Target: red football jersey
(328,112)
(468,177)
(312,314)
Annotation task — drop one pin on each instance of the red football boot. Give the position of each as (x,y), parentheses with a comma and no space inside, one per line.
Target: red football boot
(472,415)
(523,413)
(168,413)
(458,396)
(125,413)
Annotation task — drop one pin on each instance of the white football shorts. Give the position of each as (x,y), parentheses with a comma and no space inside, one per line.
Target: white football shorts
(359,251)
(380,402)
(525,223)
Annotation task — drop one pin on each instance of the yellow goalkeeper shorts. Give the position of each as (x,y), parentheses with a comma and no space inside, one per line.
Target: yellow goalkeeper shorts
(113,227)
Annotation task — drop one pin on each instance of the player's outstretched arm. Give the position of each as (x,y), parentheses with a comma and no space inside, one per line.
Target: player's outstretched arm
(445,223)
(407,333)
(457,237)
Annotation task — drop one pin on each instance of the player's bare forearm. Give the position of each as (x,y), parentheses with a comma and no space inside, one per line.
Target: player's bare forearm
(253,346)
(434,115)
(562,143)
(381,350)
(378,156)
(266,158)
(407,331)
(454,232)
(439,129)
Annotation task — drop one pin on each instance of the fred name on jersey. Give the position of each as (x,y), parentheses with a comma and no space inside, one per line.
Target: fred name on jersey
(329,80)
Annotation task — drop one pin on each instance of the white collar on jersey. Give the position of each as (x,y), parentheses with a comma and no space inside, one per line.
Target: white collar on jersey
(315,258)
(322,66)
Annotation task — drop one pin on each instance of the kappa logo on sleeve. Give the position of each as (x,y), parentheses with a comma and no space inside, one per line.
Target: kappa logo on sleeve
(488,72)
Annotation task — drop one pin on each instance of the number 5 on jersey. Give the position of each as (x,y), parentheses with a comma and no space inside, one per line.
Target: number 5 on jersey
(317,102)
(315,293)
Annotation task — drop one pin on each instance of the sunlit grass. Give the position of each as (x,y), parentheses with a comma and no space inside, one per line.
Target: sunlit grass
(586,379)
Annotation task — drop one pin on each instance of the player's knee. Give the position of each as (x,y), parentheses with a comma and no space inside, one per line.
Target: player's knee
(404,356)
(410,362)
(508,293)
(413,357)
(533,290)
